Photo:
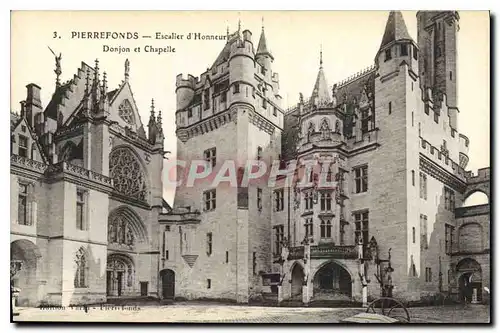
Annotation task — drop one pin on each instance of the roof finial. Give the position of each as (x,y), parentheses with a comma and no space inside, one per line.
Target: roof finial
(262,23)
(321,56)
(227,34)
(152,107)
(239,23)
(127,69)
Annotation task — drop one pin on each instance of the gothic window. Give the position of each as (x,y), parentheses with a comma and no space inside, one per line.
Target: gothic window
(126,112)
(120,231)
(361,179)
(326,229)
(279,200)
(80,210)
(81,269)
(448,240)
(279,232)
(404,49)
(23,146)
(22,205)
(127,174)
(326,201)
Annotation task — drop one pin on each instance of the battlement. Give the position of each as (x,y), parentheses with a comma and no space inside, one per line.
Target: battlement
(483,175)
(354,77)
(186,82)
(437,156)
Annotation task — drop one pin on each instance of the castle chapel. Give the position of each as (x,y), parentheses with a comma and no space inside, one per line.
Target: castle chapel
(89,223)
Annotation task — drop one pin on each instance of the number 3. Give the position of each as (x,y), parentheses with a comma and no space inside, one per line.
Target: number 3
(55,34)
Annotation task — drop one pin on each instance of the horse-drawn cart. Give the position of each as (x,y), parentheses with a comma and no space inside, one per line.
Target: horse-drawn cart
(384,310)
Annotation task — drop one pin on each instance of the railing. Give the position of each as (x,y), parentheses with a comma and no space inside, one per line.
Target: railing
(334,251)
(28,163)
(80,172)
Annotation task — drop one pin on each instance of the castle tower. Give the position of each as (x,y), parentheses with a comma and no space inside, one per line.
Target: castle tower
(437,39)
(228,116)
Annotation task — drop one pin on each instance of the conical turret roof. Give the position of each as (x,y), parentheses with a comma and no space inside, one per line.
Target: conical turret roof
(262,47)
(395,29)
(321,87)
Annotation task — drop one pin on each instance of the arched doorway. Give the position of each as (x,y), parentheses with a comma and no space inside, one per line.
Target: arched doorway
(167,277)
(332,282)
(297,282)
(120,275)
(25,255)
(470,280)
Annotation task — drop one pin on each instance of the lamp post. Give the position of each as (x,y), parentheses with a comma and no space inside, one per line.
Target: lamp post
(15,267)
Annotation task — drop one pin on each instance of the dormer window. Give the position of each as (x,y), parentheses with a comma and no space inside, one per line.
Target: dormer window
(388,55)
(404,49)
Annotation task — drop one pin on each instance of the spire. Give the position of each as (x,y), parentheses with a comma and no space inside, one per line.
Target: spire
(262,48)
(152,117)
(395,29)
(227,34)
(321,56)
(104,83)
(321,93)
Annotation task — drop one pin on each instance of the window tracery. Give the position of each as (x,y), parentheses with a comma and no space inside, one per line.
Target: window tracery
(126,112)
(120,231)
(127,174)
(81,269)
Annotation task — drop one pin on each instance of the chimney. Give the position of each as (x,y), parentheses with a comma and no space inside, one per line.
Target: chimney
(33,102)
(23,108)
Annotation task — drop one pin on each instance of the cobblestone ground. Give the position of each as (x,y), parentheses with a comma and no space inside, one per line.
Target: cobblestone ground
(203,313)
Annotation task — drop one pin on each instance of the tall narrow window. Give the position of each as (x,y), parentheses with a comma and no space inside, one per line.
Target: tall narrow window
(326,201)
(275,111)
(278,238)
(210,156)
(423,232)
(254,263)
(412,120)
(259,199)
(210,200)
(361,179)
(449,230)
(23,146)
(388,55)
(423,186)
(227,257)
(22,205)
(190,113)
(413,235)
(428,274)
(81,269)
(209,243)
(236,88)
(80,210)
(413,177)
(404,49)
(390,107)
(361,227)
(342,232)
(415,53)
(206,99)
(308,198)
(279,200)
(326,229)
(309,227)
(259,153)
(209,283)
(449,199)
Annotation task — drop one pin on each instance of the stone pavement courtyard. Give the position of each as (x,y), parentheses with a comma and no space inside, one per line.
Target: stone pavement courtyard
(213,313)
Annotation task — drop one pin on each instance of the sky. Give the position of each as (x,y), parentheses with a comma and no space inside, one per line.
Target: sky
(349,41)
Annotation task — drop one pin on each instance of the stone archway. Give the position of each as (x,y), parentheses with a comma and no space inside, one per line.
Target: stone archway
(120,275)
(332,282)
(469,280)
(26,254)
(297,282)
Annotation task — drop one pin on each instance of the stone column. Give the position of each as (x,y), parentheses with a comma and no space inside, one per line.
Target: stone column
(306,297)
(365,296)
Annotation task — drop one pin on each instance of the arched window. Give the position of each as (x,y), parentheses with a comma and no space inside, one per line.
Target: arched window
(127,173)
(81,269)
(126,112)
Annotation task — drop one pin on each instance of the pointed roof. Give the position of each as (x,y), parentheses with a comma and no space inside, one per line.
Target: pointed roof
(321,87)
(395,29)
(262,48)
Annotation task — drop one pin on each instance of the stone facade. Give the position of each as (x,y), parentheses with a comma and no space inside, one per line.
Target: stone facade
(392,224)
(86,190)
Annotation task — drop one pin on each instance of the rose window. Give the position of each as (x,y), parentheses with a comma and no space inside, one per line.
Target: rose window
(126,172)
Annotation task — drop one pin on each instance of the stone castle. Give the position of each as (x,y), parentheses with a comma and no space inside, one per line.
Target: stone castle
(89,223)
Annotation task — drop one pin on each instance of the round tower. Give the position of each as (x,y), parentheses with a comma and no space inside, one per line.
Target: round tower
(241,68)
